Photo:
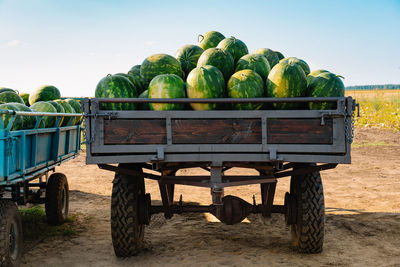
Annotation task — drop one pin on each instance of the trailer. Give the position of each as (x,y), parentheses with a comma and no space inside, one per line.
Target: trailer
(276,142)
(26,161)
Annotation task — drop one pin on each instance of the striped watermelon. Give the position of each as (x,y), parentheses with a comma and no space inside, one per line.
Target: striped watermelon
(271,56)
(220,59)
(59,109)
(234,46)
(255,62)
(301,62)
(205,82)
(41,106)
(326,84)
(28,122)
(144,106)
(313,74)
(44,93)
(136,79)
(280,55)
(18,121)
(188,56)
(77,109)
(159,64)
(68,121)
(246,84)
(5,89)
(10,97)
(286,79)
(210,40)
(166,86)
(115,86)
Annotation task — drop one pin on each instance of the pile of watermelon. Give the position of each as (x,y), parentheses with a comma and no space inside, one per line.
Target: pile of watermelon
(219,67)
(44,99)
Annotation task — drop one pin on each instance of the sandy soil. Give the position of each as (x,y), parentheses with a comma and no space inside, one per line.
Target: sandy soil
(362,221)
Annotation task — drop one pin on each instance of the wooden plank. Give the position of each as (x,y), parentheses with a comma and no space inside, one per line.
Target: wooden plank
(216,131)
(147,131)
(299,131)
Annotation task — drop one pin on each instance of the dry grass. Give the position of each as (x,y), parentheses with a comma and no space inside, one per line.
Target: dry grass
(378,108)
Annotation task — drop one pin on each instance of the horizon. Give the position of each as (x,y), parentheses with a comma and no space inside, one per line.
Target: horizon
(73,45)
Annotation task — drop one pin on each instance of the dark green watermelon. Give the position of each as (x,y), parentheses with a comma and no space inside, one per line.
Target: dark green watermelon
(256,62)
(68,121)
(25,97)
(44,93)
(136,79)
(326,84)
(188,55)
(234,46)
(4,89)
(246,84)
(301,62)
(144,106)
(159,64)
(280,55)
(286,80)
(220,59)
(59,108)
(10,97)
(210,40)
(205,82)
(77,108)
(271,56)
(132,80)
(41,106)
(115,86)
(18,122)
(166,86)
(313,74)
(28,122)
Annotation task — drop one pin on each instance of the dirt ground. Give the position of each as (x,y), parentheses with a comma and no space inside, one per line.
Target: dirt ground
(362,221)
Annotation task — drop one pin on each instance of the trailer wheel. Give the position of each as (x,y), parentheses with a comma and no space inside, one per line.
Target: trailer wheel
(307,230)
(57,199)
(10,234)
(126,230)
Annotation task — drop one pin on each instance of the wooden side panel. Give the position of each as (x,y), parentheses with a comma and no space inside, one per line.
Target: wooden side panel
(299,131)
(216,131)
(134,132)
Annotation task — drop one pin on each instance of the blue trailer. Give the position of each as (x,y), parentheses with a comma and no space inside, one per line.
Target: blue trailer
(27,157)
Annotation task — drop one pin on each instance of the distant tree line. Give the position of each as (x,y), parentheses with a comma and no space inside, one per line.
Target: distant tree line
(374,87)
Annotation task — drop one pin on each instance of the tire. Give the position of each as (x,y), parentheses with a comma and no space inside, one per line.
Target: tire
(57,199)
(126,231)
(10,234)
(308,231)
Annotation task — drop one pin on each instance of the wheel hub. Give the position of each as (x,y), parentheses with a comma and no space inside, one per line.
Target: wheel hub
(290,209)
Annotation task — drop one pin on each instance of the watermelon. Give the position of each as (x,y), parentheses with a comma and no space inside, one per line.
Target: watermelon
(313,74)
(255,62)
(144,106)
(166,86)
(280,55)
(68,121)
(115,86)
(271,56)
(159,64)
(220,59)
(28,122)
(234,46)
(286,80)
(210,40)
(44,93)
(301,62)
(58,107)
(326,84)
(41,106)
(18,122)
(77,108)
(10,97)
(188,56)
(4,89)
(246,84)
(25,97)
(205,82)
(136,79)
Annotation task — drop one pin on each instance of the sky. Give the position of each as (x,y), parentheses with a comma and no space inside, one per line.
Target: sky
(73,44)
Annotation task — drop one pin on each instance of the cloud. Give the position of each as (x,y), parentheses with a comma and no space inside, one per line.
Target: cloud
(13,43)
(149,43)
